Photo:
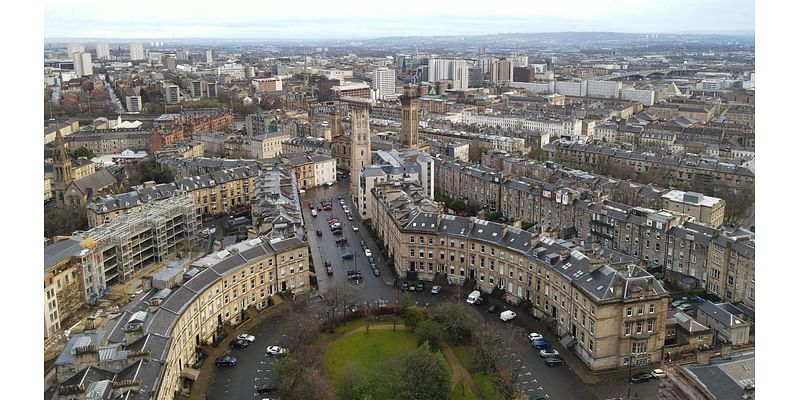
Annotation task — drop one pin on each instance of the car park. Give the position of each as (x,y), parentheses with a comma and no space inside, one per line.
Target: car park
(641,377)
(436,289)
(225,361)
(552,362)
(549,353)
(246,336)
(276,351)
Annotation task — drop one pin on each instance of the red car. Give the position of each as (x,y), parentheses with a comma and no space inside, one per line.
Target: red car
(311,204)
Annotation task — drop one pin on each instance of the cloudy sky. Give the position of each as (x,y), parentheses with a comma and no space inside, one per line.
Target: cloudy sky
(350,19)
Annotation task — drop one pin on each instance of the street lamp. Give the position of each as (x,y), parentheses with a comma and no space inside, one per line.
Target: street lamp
(629,361)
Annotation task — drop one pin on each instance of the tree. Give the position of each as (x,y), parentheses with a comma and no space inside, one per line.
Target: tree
(458,205)
(150,170)
(83,152)
(429,331)
(64,221)
(298,382)
(457,320)
(412,317)
(423,376)
(338,298)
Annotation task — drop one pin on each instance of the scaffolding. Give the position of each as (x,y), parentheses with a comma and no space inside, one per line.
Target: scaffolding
(134,241)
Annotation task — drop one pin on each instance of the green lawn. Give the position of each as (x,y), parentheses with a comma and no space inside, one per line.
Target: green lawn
(364,353)
(486,386)
(464,355)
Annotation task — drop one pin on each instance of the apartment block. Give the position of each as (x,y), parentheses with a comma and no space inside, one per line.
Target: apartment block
(706,209)
(473,184)
(268,145)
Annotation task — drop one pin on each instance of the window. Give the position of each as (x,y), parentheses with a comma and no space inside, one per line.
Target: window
(591,328)
(639,327)
(628,328)
(629,311)
(650,323)
(652,308)
(591,345)
(641,309)
(411,239)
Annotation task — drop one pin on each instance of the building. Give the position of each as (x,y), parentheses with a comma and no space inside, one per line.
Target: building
(276,209)
(136,52)
(81,191)
(502,71)
(197,89)
(311,170)
(392,166)
(613,311)
(730,376)
(133,103)
(172,94)
(73,48)
(706,209)
(170,62)
(131,242)
(83,63)
(266,85)
(360,153)
(209,56)
(115,141)
(440,69)
(455,150)
(474,185)
(554,126)
(268,145)
(357,90)
(409,106)
(646,97)
(73,276)
(383,81)
(62,170)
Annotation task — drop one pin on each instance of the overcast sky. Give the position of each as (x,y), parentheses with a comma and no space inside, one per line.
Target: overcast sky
(343,19)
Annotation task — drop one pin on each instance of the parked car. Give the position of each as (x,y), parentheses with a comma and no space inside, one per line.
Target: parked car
(336,225)
(677,303)
(319,232)
(420,286)
(276,351)
(376,272)
(239,344)
(246,336)
(355,276)
(329,270)
(492,308)
(363,244)
(368,252)
(685,307)
(404,286)
(412,287)
(355,228)
(347,256)
(549,353)
(336,232)
(641,377)
(553,362)
(479,301)
(535,336)
(349,217)
(225,361)
(341,241)
(266,388)
(540,344)
(658,373)
(507,315)
(313,212)
(436,289)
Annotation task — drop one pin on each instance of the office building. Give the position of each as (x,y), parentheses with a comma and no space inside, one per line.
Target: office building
(133,103)
(137,52)
(170,62)
(83,63)
(103,52)
(209,56)
(502,71)
(172,94)
(73,48)
(383,81)
(440,69)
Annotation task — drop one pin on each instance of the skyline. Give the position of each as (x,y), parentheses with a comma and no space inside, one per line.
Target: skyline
(358,20)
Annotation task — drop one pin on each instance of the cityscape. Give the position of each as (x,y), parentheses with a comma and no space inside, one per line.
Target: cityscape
(381,213)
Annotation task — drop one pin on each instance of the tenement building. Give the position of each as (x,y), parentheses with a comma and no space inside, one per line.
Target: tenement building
(613,310)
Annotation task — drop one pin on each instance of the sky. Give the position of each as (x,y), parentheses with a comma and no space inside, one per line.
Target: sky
(358,19)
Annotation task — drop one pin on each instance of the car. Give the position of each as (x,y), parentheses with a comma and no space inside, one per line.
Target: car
(225,361)
(319,232)
(346,209)
(368,252)
(658,373)
(336,232)
(436,289)
(341,241)
(349,217)
(685,307)
(246,336)
(371,259)
(540,344)
(478,301)
(404,286)
(329,184)
(327,207)
(376,272)
(355,276)
(313,213)
(535,336)
(363,244)
(333,220)
(538,394)
(549,353)
(355,228)
(491,309)
(641,377)
(239,344)
(276,351)
(336,225)
(266,388)
(677,303)
(347,256)
(329,270)
(507,315)
(412,288)
(373,266)
(341,201)
(553,362)
(420,286)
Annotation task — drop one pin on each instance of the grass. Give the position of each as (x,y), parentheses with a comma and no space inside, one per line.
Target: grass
(486,386)
(461,392)
(364,353)
(464,355)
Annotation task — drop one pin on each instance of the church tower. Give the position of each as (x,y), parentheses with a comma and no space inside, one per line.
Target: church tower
(360,155)
(336,121)
(62,169)
(409,110)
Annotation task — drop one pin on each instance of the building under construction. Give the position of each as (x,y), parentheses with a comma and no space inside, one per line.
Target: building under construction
(133,241)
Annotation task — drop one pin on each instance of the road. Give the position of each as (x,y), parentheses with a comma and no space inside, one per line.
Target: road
(255,367)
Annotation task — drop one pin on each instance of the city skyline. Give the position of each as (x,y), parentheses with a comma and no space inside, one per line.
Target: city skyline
(358,20)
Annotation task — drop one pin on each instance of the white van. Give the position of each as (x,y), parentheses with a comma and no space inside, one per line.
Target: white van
(473,297)
(507,315)
(313,213)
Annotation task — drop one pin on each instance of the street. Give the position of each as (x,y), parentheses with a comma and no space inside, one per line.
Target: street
(255,367)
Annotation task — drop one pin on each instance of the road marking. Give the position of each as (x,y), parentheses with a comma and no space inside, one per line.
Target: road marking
(527,373)
(530,390)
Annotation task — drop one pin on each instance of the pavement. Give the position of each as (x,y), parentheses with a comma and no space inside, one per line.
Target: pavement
(572,381)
